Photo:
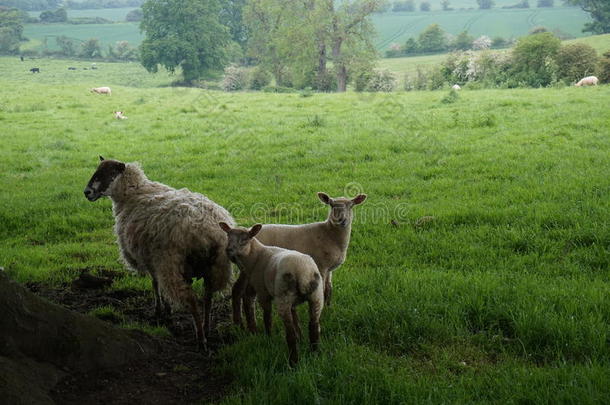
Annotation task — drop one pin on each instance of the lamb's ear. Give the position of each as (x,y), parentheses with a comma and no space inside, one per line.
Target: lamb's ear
(359,199)
(324,198)
(121,167)
(225,227)
(102,158)
(255,230)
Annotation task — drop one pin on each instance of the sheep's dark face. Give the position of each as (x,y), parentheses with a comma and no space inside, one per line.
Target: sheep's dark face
(238,244)
(106,172)
(341,209)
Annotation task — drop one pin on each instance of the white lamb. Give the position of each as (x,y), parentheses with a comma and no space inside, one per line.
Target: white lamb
(102,90)
(170,234)
(456,87)
(285,275)
(326,242)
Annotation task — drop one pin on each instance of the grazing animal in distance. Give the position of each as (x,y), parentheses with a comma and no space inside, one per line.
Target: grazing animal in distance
(587,81)
(286,276)
(71,68)
(119,115)
(170,234)
(102,90)
(35,70)
(326,242)
(21,57)
(456,87)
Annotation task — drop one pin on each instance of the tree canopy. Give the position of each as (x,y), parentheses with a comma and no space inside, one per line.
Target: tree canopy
(183,33)
(11,30)
(600,13)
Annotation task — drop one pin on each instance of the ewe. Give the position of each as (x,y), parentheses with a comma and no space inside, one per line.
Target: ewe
(170,234)
(285,275)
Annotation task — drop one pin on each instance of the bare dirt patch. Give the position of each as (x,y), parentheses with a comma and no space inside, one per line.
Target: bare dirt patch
(177,374)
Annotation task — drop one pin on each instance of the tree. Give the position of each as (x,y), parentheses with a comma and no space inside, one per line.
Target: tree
(67,46)
(485,4)
(11,30)
(231,15)
(59,15)
(445,4)
(533,59)
(411,46)
(432,39)
(91,49)
(600,14)
(575,61)
(604,68)
(31,5)
(183,33)
(546,3)
(134,15)
(407,5)
(424,6)
(463,41)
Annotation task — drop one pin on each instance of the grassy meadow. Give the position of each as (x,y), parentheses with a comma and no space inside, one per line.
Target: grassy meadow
(502,296)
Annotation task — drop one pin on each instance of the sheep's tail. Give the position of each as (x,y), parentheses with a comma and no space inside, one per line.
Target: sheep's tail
(306,284)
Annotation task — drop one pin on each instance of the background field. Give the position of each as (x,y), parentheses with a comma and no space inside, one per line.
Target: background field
(391,27)
(503,297)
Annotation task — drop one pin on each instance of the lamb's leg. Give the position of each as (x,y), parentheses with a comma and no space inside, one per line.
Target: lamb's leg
(315,310)
(249,297)
(266,305)
(237,294)
(297,326)
(285,312)
(197,319)
(328,288)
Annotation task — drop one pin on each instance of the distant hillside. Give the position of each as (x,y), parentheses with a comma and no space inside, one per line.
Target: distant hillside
(30,5)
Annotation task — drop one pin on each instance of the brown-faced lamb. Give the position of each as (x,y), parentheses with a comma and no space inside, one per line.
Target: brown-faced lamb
(171,234)
(326,242)
(285,275)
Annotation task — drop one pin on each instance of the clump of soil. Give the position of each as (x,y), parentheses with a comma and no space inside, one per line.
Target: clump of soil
(177,374)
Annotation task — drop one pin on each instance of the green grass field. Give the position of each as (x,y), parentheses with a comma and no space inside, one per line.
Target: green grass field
(503,297)
(409,65)
(112,14)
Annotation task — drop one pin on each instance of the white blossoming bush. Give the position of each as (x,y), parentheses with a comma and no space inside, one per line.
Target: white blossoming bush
(235,78)
(481,43)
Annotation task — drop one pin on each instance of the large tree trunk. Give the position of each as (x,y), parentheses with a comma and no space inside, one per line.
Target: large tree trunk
(40,341)
(340,68)
(321,60)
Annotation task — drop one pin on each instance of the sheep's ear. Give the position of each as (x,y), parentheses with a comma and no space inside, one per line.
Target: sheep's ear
(121,167)
(359,199)
(255,230)
(102,158)
(324,198)
(225,227)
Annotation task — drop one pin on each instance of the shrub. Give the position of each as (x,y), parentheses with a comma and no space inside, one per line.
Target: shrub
(604,68)
(424,6)
(235,78)
(546,3)
(259,78)
(485,4)
(134,15)
(575,61)
(381,80)
(408,5)
(533,59)
(463,41)
(498,42)
(450,98)
(481,43)
(432,39)
(278,89)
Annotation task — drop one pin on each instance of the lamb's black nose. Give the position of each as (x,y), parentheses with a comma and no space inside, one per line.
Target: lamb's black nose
(87,192)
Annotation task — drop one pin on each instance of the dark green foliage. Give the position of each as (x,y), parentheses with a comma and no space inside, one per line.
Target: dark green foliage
(424,6)
(485,4)
(408,5)
(183,33)
(463,41)
(498,42)
(432,39)
(259,78)
(546,3)
(231,15)
(57,16)
(521,4)
(91,49)
(134,15)
(451,97)
(604,68)
(575,61)
(533,59)
(11,30)
(66,45)
(600,13)
(445,4)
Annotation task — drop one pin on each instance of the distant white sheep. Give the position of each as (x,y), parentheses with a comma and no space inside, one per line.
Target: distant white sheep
(102,90)
(170,234)
(119,115)
(456,87)
(283,275)
(587,81)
